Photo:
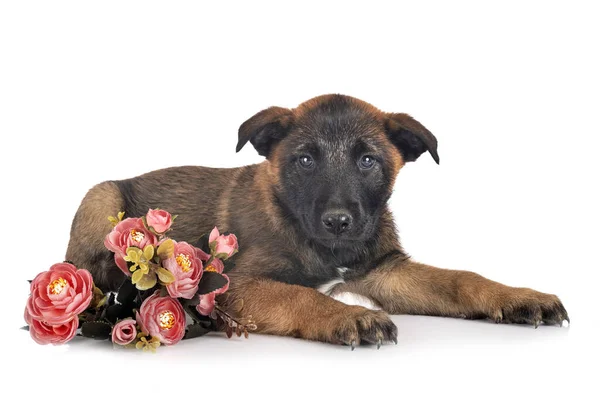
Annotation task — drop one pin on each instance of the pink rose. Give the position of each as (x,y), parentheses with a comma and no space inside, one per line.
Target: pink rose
(162,317)
(60,294)
(207,301)
(186,266)
(226,245)
(130,232)
(124,332)
(43,334)
(215,266)
(159,220)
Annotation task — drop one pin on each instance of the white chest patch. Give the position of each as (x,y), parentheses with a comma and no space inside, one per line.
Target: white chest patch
(354,299)
(350,298)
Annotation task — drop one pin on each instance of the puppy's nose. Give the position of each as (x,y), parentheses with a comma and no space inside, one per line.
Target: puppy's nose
(336,221)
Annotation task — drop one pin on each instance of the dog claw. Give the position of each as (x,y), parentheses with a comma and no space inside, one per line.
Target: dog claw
(395,341)
(536,324)
(379,342)
(353,345)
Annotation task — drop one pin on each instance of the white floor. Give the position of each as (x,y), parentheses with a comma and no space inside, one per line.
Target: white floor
(510,92)
(431,353)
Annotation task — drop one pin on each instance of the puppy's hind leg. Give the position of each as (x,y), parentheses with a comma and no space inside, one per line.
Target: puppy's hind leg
(90,226)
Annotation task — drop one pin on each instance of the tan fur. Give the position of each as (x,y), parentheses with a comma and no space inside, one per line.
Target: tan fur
(273,255)
(407,287)
(292,310)
(224,208)
(91,225)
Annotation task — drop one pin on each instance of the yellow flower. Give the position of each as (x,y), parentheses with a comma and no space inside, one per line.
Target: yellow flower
(140,259)
(143,281)
(147,345)
(115,220)
(143,276)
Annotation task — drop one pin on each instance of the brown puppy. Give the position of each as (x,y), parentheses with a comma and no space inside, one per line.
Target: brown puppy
(312,216)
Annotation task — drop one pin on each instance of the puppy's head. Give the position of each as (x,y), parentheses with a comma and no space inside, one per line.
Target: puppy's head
(333,161)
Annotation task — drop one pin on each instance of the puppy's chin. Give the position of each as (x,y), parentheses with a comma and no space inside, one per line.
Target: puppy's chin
(338,242)
(342,242)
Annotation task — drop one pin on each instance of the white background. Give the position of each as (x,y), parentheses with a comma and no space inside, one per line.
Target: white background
(110,90)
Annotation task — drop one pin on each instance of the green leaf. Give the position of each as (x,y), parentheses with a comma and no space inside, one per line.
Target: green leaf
(211,281)
(127,292)
(195,330)
(146,282)
(228,266)
(120,215)
(198,318)
(202,243)
(193,302)
(222,256)
(164,292)
(213,247)
(99,299)
(26,328)
(165,276)
(116,312)
(97,330)
(166,249)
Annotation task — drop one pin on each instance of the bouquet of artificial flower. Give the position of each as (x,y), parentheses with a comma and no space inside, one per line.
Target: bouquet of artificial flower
(167,280)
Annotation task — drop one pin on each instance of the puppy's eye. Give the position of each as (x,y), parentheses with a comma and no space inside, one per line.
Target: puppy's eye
(306,162)
(366,162)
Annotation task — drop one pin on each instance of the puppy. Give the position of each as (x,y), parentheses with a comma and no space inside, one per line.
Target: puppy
(313,223)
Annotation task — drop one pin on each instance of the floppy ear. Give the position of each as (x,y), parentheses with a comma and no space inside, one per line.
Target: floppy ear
(410,137)
(265,129)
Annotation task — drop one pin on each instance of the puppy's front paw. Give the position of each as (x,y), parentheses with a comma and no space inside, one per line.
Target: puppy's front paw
(365,326)
(526,306)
